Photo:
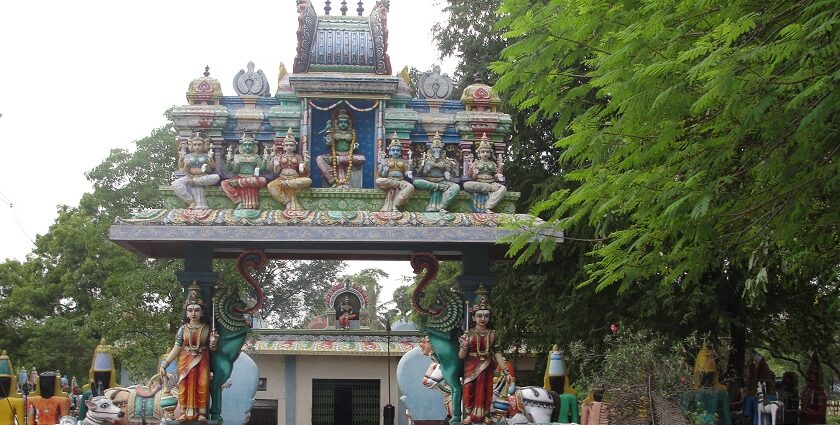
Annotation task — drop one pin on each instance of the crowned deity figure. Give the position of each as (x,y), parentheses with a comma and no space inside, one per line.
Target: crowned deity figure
(244,188)
(193,343)
(486,178)
(480,351)
(347,314)
(434,174)
(292,172)
(337,166)
(393,171)
(196,165)
(814,399)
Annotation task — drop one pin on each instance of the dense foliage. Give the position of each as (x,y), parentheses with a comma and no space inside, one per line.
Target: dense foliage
(688,152)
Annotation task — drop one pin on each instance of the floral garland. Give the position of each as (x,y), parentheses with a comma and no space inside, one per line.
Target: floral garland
(336,104)
(346,180)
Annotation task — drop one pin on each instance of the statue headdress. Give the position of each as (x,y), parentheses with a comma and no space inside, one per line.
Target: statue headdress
(482,300)
(247,137)
(436,141)
(395,141)
(484,143)
(194,295)
(705,363)
(290,137)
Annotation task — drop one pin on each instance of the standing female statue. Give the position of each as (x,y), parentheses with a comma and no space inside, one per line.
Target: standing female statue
(244,187)
(486,176)
(195,164)
(193,343)
(292,172)
(480,349)
(337,166)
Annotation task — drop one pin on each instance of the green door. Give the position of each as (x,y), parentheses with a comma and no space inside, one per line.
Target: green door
(345,402)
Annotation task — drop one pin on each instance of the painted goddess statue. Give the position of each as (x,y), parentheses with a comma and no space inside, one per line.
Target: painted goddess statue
(393,171)
(292,172)
(486,178)
(481,353)
(244,187)
(195,164)
(193,344)
(337,166)
(434,174)
(347,314)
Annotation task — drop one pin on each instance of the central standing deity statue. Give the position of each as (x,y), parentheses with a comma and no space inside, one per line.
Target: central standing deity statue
(434,174)
(337,166)
(244,187)
(192,348)
(393,171)
(292,172)
(195,164)
(481,353)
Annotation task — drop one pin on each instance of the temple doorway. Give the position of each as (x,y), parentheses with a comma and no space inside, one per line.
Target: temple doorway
(345,402)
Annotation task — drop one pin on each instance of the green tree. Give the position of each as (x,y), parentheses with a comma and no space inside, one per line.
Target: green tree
(714,143)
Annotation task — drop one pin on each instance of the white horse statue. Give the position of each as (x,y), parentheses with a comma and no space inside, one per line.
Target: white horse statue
(765,408)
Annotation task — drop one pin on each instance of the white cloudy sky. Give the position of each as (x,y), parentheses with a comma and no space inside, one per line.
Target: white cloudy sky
(80,78)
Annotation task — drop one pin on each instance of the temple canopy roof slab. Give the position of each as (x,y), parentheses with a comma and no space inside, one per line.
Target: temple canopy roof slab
(345,235)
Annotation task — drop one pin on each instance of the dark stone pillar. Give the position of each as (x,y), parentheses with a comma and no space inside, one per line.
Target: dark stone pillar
(476,271)
(198,267)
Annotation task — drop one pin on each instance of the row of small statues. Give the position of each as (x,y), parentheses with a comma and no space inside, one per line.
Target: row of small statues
(434,174)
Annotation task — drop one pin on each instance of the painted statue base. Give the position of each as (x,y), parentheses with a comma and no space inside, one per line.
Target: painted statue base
(343,200)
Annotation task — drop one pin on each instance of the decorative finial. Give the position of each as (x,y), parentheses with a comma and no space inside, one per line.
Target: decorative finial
(361,8)
(327,7)
(207,71)
(343,8)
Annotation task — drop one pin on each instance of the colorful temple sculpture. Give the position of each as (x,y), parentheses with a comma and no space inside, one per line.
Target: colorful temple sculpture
(309,172)
(709,401)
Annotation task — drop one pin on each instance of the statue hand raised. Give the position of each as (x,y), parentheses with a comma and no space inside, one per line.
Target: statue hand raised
(256,171)
(203,168)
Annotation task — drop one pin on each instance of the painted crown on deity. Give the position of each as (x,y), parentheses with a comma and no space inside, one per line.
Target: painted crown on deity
(290,137)
(194,295)
(247,137)
(436,141)
(484,143)
(482,300)
(395,141)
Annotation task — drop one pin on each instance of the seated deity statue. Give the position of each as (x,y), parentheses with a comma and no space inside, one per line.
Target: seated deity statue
(486,178)
(434,174)
(196,165)
(244,188)
(292,172)
(347,314)
(337,167)
(392,171)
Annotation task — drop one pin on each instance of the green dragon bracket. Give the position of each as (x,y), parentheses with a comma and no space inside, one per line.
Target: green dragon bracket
(443,328)
(232,316)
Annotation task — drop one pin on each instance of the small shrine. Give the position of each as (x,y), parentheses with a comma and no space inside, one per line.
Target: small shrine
(335,368)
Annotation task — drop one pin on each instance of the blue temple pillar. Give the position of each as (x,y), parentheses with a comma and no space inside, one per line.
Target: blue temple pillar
(476,271)
(198,267)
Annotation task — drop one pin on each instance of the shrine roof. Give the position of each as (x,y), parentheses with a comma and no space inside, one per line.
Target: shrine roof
(332,342)
(354,235)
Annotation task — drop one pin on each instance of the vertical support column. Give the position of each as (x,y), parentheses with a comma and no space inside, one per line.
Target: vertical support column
(290,409)
(476,271)
(198,267)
